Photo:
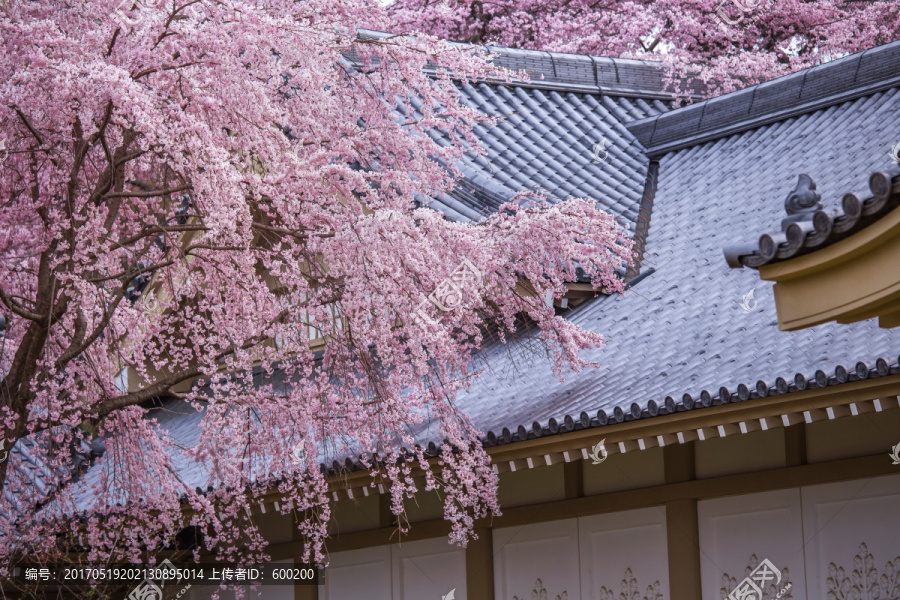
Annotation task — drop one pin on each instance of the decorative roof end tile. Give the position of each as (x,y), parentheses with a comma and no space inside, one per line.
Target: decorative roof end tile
(808,227)
(802,203)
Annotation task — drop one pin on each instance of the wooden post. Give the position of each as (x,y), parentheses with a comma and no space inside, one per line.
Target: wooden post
(679,463)
(682,534)
(480,566)
(684,550)
(306,592)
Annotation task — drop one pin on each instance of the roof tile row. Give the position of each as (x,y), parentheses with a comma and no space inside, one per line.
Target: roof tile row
(802,92)
(813,228)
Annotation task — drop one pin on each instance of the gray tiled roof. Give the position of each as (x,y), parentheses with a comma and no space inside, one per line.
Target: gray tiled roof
(845,79)
(811,229)
(547,128)
(576,72)
(543,141)
(682,330)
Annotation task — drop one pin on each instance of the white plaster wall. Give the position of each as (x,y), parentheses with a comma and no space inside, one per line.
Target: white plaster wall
(627,548)
(428,569)
(358,574)
(410,571)
(732,529)
(837,519)
(546,551)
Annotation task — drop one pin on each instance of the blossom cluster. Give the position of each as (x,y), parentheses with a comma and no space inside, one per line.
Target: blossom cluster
(211,207)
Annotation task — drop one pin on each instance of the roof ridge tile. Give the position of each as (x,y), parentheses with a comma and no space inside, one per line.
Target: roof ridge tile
(577,72)
(841,80)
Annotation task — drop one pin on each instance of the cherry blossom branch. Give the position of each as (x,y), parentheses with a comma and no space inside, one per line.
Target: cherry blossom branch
(34,132)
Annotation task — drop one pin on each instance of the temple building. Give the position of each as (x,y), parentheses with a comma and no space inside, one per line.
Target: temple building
(740,437)
(747,429)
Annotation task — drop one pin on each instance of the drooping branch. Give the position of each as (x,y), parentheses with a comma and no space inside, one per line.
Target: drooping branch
(25,121)
(148,194)
(309,331)
(19,309)
(161,386)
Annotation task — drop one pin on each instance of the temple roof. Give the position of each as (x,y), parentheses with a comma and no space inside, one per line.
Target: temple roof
(692,332)
(695,329)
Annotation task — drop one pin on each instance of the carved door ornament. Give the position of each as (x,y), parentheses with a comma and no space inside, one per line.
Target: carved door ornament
(539,593)
(863,582)
(630,590)
(771,592)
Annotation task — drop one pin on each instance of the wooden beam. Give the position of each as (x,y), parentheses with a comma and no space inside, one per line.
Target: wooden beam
(862,408)
(772,411)
(386,518)
(839,412)
(306,592)
(889,319)
(668,439)
(750,426)
(686,437)
(785,407)
(791,419)
(682,536)
(727,429)
(816,414)
(480,566)
(713,487)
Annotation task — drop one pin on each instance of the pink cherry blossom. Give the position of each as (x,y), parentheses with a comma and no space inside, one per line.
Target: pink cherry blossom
(726,44)
(194,190)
